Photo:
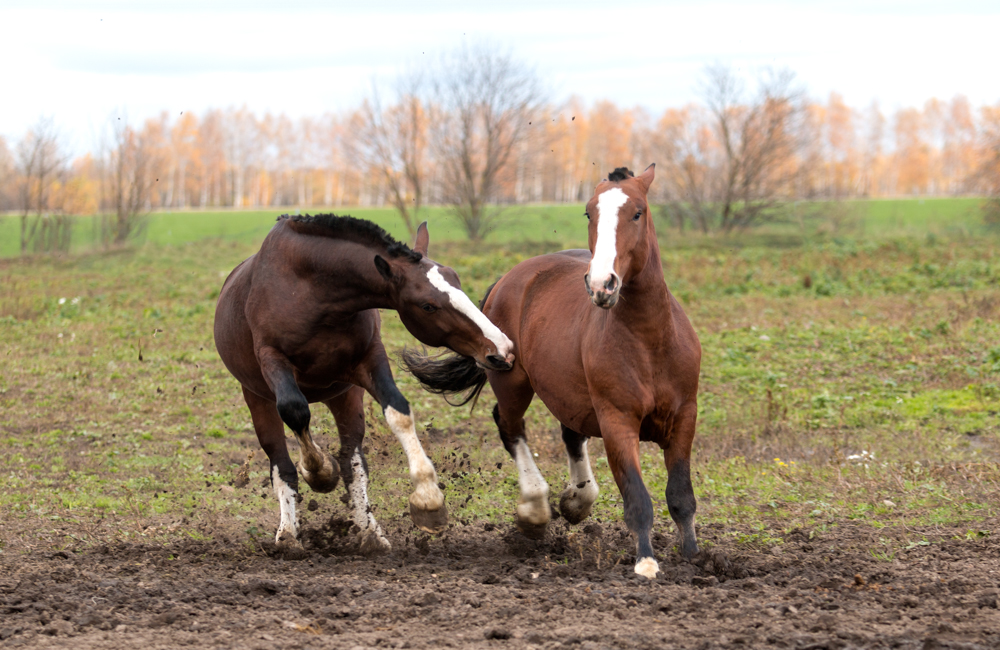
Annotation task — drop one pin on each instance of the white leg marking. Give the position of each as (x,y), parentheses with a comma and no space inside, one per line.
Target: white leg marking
(605,251)
(286,499)
(582,491)
(360,511)
(463,304)
(533,506)
(426,495)
(580,473)
(647,567)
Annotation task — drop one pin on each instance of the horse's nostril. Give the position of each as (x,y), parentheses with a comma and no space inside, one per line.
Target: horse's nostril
(611,283)
(496,360)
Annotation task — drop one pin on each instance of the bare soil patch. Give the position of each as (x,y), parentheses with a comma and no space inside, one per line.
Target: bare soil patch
(487,586)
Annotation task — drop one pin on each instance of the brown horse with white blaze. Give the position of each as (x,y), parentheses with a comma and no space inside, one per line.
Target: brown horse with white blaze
(616,358)
(298,323)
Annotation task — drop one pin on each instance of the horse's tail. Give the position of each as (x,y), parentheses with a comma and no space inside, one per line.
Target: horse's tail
(449,374)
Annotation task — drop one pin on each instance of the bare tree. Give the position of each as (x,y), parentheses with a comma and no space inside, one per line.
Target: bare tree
(128,182)
(487,102)
(7,176)
(734,170)
(691,161)
(38,161)
(393,140)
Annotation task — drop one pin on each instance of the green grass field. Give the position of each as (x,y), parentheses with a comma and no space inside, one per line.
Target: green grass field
(555,224)
(849,373)
(517,224)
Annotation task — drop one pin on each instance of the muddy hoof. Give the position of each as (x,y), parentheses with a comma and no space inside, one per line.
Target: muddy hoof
(371,543)
(430,521)
(288,547)
(324,480)
(572,509)
(530,530)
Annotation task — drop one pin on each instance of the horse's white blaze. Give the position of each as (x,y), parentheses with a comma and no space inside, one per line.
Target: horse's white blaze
(580,473)
(603,263)
(533,506)
(286,500)
(426,493)
(360,512)
(463,304)
(647,567)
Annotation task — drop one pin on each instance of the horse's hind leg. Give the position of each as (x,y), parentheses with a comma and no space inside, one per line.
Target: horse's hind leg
(284,480)
(316,467)
(348,411)
(514,394)
(427,507)
(680,494)
(579,496)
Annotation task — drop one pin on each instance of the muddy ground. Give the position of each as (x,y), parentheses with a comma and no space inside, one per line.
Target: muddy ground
(486,586)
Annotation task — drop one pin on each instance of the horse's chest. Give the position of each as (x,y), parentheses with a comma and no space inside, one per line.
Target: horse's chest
(332,354)
(656,424)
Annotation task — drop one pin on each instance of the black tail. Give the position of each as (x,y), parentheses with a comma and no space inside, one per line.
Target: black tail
(449,374)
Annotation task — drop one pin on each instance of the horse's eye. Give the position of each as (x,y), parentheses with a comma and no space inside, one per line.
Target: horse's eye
(428,307)
(587,214)
(637,215)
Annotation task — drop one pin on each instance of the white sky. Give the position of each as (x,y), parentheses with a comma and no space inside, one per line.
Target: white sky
(79,61)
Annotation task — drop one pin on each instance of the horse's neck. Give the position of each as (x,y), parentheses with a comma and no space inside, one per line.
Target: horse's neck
(646,299)
(360,286)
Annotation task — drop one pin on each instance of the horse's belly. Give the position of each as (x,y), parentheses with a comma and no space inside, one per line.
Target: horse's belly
(557,377)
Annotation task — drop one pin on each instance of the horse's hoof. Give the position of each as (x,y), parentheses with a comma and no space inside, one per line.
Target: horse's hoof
(647,568)
(689,549)
(286,539)
(372,543)
(572,507)
(288,547)
(430,521)
(530,530)
(532,517)
(324,480)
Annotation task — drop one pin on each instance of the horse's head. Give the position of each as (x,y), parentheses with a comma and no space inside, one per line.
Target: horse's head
(619,230)
(433,307)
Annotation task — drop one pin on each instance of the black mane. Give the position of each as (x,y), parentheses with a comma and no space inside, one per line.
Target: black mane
(620,174)
(330,225)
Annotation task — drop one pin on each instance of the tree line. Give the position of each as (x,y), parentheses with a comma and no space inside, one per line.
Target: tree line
(477,132)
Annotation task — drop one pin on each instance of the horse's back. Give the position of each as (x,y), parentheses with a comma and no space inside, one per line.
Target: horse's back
(537,287)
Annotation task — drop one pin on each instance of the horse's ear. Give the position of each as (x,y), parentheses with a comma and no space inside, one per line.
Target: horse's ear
(383,268)
(646,178)
(422,239)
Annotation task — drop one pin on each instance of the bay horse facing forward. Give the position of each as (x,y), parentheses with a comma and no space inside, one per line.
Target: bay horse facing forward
(616,358)
(298,322)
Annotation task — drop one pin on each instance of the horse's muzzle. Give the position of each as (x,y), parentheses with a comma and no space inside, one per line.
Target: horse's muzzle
(496,362)
(607,296)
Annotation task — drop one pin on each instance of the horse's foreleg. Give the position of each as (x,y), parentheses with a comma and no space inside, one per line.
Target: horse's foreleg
(316,467)
(284,480)
(680,494)
(579,496)
(621,440)
(427,507)
(348,411)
